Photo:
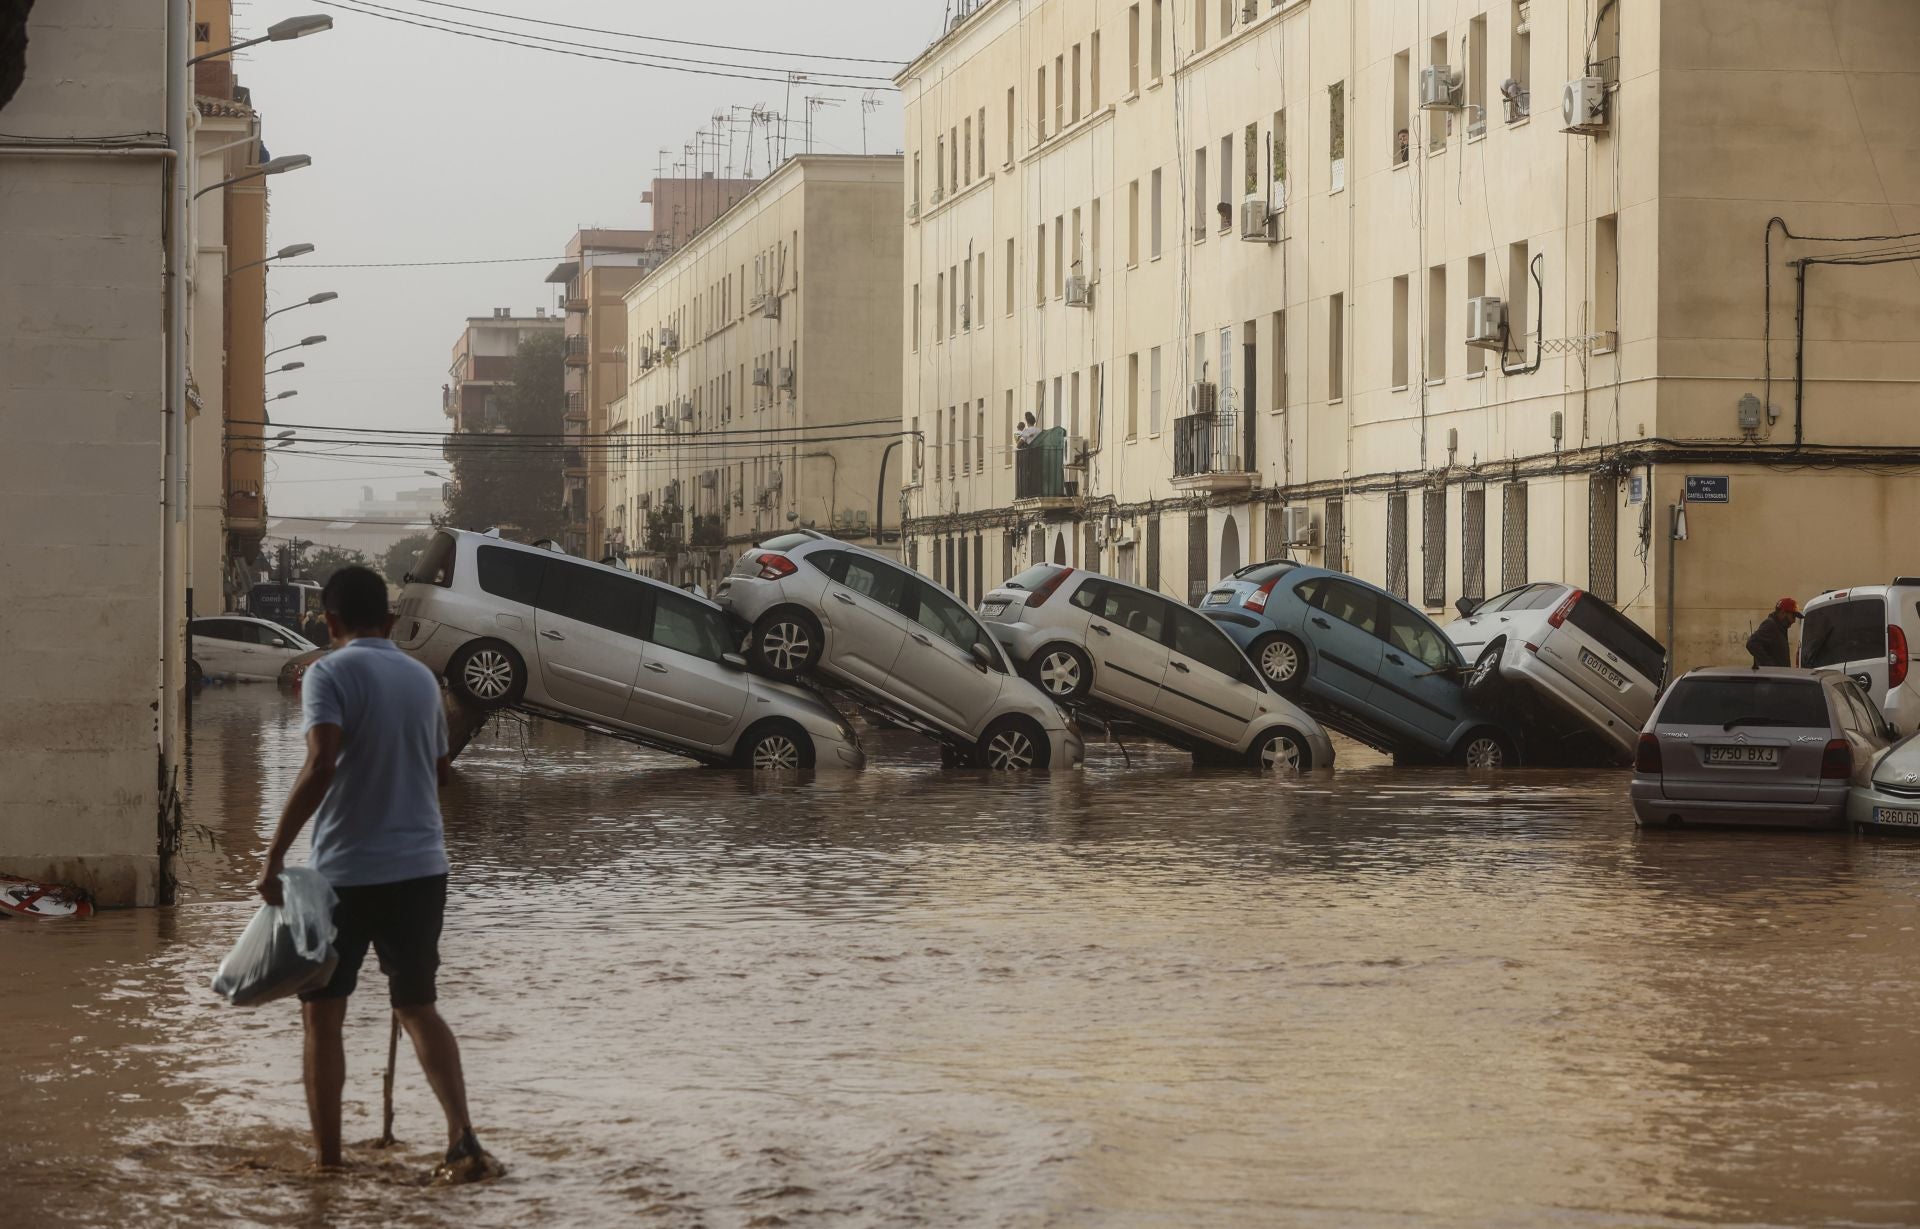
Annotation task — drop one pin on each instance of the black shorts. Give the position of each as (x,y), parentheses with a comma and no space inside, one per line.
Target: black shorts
(402,922)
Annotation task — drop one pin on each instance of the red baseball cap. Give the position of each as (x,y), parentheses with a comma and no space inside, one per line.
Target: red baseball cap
(1787,604)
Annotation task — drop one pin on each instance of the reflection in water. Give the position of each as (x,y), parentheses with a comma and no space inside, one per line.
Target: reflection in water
(908,996)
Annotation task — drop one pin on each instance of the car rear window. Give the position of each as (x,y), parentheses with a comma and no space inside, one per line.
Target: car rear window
(435,564)
(1844,631)
(1499,602)
(1622,635)
(1035,576)
(1261,573)
(1760,700)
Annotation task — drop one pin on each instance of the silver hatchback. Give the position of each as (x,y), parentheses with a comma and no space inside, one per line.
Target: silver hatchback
(909,648)
(1084,638)
(1770,746)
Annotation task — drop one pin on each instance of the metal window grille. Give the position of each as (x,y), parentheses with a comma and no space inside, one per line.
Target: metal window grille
(1197,578)
(1153,551)
(1036,546)
(1603,541)
(961,575)
(1433,549)
(1334,552)
(979,565)
(1273,545)
(1397,544)
(949,564)
(1473,544)
(1006,555)
(913,553)
(1093,547)
(1513,535)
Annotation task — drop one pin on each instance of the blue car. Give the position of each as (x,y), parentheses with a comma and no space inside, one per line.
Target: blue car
(1363,661)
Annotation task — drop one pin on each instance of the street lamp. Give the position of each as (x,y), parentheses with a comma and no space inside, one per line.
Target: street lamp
(315,340)
(278,32)
(292,392)
(273,166)
(295,365)
(287,434)
(286,253)
(325,296)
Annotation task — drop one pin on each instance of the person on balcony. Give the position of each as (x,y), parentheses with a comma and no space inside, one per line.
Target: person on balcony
(1028,432)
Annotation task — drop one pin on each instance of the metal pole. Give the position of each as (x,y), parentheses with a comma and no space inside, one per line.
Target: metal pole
(174,391)
(1673,561)
(880,494)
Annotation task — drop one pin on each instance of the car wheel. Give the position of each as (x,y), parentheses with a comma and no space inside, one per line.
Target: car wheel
(1282,661)
(1280,750)
(1485,749)
(195,675)
(775,746)
(487,673)
(1485,680)
(1014,744)
(955,757)
(1062,671)
(786,643)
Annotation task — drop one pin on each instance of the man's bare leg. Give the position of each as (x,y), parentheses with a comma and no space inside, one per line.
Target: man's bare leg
(439,1054)
(325,1069)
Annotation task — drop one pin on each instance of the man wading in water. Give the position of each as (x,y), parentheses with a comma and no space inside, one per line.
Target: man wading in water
(376,753)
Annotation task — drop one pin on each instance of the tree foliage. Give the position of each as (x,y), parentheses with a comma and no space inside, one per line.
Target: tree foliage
(399,559)
(517,489)
(319,563)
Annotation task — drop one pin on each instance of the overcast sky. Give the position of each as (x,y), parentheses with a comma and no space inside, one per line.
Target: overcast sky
(428,146)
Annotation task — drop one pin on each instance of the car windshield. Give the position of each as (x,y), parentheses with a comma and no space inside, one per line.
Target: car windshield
(1035,576)
(1498,603)
(1844,631)
(1261,573)
(1613,630)
(435,564)
(1730,702)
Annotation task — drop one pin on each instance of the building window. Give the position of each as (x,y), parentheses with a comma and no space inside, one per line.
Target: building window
(1199,575)
(1093,72)
(1008,276)
(1397,544)
(1153,391)
(1059,387)
(966,296)
(1133,395)
(966,154)
(1433,553)
(1477,76)
(1476,287)
(914,332)
(1159,23)
(1040,105)
(1337,135)
(1439,123)
(954,441)
(1279,378)
(1133,223)
(1437,323)
(1076,83)
(1199,184)
(939,306)
(1606,280)
(980,435)
(1277,148)
(1133,49)
(1073,404)
(939,168)
(1400,131)
(1473,543)
(1040,263)
(1011,112)
(1060,92)
(1603,543)
(939,440)
(1518,297)
(1093,238)
(1519,66)
(1011,432)
(1225,207)
(1399,326)
(1333,551)
(980,282)
(1153,521)
(1336,346)
(1199,26)
(1059,255)
(1153,246)
(1513,535)
(981,148)
(916,181)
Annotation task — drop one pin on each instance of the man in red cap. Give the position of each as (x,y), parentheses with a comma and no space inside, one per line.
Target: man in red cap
(1768,644)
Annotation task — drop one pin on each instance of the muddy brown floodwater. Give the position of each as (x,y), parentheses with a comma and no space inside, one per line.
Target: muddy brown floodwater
(1145,997)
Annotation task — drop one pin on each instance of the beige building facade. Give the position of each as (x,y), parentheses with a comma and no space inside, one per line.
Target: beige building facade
(1245,256)
(763,372)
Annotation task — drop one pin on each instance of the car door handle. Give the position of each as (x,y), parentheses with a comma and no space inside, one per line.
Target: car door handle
(1319,622)
(656,667)
(553,635)
(922,639)
(1098,628)
(1396,659)
(841,597)
(1181,666)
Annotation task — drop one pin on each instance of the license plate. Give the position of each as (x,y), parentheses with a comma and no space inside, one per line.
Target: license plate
(1743,755)
(1901,817)
(1218,598)
(1602,669)
(993,610)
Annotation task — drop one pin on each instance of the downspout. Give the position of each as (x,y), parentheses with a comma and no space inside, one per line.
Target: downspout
(173,493)
(1799,349)
(880,494)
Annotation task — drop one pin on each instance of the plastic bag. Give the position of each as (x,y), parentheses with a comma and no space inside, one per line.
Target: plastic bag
(286,948)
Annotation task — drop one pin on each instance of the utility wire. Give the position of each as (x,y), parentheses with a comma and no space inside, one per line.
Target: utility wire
(655,38)
(542,435)
(421,264)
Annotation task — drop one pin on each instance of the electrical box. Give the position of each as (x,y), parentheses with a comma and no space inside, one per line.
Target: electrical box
(1487,322)
(1583,106)
(1556,427)
(1440,88)
(1296,525)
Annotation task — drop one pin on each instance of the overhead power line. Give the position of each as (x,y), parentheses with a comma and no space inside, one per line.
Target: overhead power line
(421,264)
(655,38)
(511,436)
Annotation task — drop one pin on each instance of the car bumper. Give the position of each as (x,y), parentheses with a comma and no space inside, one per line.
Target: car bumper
(1868,807)
(1069,749)
(1321,748)
(1570,699)
(431,644)
(1652,807)
(1020,640)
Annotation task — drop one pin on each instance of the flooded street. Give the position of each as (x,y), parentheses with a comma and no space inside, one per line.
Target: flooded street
(1146,997)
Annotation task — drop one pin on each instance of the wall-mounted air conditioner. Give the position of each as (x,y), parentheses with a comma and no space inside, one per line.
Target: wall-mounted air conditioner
(686,409)
(669,339)
(770,307)
(1296,525)
(1258,223)
(1076,452)
(1204,397)
(1441,89)
(1583,106)
(1487,322)
(1079,293)
(913,209)
(786,379)
(762,377)
(709,480)
(1249,12)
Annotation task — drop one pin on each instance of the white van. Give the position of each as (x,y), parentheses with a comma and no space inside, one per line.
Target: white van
(1864,633)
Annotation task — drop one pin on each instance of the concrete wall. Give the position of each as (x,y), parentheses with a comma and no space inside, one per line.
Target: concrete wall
(81,374)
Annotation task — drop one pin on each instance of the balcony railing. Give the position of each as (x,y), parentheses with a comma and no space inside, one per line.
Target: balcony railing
(576,349)
(1206,444)
(1040,468)
(576,405)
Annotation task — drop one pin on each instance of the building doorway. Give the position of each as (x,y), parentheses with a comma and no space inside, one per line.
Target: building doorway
(1229,547)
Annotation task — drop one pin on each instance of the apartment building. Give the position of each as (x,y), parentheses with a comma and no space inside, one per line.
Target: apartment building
(1448,298)
(482,366)
(763,372)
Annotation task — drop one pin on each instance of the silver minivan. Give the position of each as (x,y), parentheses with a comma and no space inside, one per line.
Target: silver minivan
(507,625)
(1868,633)
(1084,638)
(1594,669)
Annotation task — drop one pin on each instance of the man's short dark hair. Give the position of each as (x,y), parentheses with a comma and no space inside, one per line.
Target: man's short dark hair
(357,597)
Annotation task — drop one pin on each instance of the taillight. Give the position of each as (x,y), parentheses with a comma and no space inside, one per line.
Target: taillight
(1836,762)
(1047,586)
(1896,655)
(1257,600)
(774,567)
(1646,757)
(1565,608)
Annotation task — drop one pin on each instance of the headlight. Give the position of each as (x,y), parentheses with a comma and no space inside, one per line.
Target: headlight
(1066,718)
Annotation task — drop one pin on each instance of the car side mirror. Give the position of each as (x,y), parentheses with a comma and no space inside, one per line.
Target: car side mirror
(278,643)
(1892,731)
(735,660)
(981,656)
(1466,606)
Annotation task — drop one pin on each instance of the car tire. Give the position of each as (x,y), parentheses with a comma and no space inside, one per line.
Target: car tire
(956,757)
(786,642)
(1485,749)
(1485,682)
(774,746)
(1280,749)
(487,673)
(1014,744)
(1063,672)
(196,677)
(1282,661)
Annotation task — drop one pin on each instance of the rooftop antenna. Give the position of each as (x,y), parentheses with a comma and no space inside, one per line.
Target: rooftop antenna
(787,109)
(814,103)
(869,103)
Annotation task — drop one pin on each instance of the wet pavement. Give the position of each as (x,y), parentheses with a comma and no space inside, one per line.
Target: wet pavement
(1146,997)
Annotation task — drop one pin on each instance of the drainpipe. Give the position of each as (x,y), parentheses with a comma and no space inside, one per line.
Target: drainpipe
(880,494)
(173,489)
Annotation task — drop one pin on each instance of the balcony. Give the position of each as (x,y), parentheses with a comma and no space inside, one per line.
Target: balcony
(575,460)
(576,350)
(577,406)
(1206,454)
(1040,474)
(574,303)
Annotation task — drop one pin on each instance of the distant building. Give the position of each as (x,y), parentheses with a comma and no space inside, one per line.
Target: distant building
(482,366)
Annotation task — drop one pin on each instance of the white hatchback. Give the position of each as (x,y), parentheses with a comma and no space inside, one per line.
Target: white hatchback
(243,646)
(1868,633)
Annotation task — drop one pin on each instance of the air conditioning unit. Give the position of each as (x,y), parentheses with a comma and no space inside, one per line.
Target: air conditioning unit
(645,501)
(770,307)
(669,339)
(786,379)
(762,377)
(1440,88)
(1204,397)
(1487,323)
(913,209)
(1257,221)
(1079,293)
(1583,106)
(774,479)
(1296,525)
(1076,452)
(646,356)
(686,409)
(709,480)
(939,194)
(966,316)
(1249,11)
